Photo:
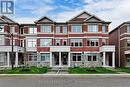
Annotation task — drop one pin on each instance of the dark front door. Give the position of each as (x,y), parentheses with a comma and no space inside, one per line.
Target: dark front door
(64,58)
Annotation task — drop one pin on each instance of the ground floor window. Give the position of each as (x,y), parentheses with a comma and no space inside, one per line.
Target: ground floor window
(76,56)
(45,57)
(32,56)
(128,59)
(92,57)
(3,59)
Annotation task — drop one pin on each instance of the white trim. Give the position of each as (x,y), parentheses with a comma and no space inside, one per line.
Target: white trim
(76,52)
(44,52)
(125,34)
(91,52)
(125,38)
(45,37)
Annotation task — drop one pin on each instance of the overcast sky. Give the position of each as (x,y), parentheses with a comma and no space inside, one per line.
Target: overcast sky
(115,11)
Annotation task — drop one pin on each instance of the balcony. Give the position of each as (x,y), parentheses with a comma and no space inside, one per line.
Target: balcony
(107,48)
(59,48)
(9,49)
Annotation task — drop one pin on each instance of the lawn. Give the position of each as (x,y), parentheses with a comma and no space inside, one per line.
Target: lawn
(25,70)
(96,70)
(123,69)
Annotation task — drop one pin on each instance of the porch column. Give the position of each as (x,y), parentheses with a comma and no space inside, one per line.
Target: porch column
(8,59)
(69,59)
(113,59)
(16,59)
(60,59)
(51,59)
(104,55)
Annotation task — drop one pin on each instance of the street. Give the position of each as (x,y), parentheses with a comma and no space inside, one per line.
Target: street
(64,81)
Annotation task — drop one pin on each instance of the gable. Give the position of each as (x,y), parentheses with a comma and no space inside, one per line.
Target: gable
(93,19)
(44,20)
(84,15)
(81,17)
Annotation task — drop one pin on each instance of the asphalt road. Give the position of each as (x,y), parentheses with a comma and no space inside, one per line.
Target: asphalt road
(64,81)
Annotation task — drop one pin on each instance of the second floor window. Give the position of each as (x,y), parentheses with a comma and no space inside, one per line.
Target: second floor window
(93,28)
(1,28)
(32,30)
(76,29)
(76,42)
(128,29)
(31,42)
(46,28)
(57,29)
(45,42)
(92,42)
(104,29)
(128,42)
(64,30)
(12,29)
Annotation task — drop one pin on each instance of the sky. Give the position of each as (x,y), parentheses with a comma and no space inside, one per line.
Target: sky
(28,11)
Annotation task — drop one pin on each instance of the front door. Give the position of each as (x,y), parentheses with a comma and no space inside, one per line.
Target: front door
(64,58)
(59,59)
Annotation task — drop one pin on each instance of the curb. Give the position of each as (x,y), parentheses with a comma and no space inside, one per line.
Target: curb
(100,75)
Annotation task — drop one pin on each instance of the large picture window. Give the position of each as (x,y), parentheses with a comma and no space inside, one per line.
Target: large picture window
(46,28)
(76,28)
(92,42)
(31,42)
(93,28)
(45,57)
(76,42)
(45,42)
(76,57)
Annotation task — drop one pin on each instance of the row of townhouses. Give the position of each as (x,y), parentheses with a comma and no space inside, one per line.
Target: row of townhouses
(84,40)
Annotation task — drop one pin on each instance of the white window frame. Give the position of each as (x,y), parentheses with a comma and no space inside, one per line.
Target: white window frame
(93,28)
(76,55)
(12,29)
(104,28)
(128,28)
(92,57)
(94,40)
(45,28)
(46,57)
(33,56)
(31,42)
(32,30)
(64,30)
(43,40)
(76,28)
(75,41)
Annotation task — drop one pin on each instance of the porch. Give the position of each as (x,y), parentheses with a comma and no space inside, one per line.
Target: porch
(108,55)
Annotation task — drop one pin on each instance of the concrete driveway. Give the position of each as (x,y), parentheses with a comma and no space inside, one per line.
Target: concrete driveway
(64,81)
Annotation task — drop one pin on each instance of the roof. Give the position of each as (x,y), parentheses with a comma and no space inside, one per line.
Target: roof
(4,19)
(87,17)
(127,22)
